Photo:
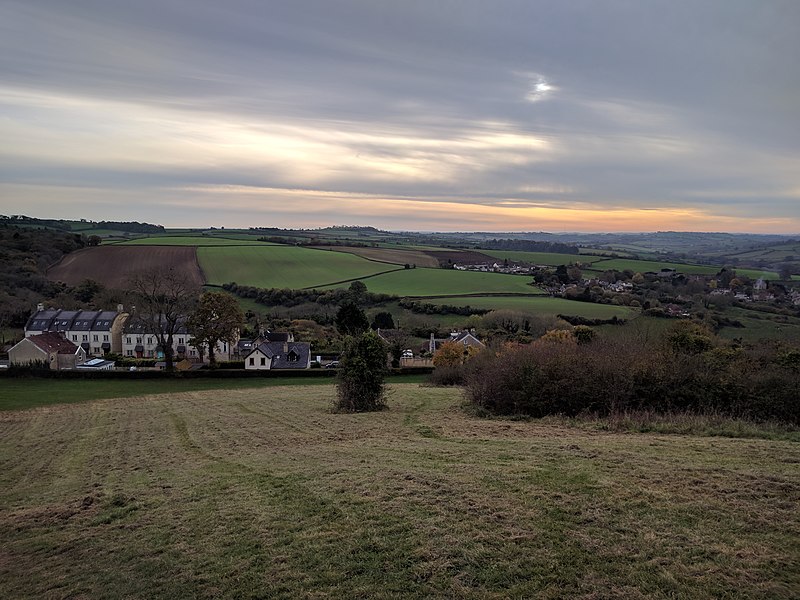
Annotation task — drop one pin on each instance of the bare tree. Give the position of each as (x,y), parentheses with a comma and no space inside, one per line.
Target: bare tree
(164,297)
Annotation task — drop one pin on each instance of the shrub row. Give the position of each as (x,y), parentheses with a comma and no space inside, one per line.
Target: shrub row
(610,378)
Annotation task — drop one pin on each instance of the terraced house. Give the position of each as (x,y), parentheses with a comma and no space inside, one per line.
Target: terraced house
(96,332)
(140,340)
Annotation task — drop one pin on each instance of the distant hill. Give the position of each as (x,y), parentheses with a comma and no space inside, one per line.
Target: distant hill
(81,226)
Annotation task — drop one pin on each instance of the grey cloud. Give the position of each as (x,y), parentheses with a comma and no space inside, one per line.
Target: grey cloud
(670,102)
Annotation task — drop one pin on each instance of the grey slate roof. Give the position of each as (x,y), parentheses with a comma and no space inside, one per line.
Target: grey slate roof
(139,325)
(71,320)
(296,356)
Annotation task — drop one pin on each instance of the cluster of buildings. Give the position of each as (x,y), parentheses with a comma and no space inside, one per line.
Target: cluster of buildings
(83,339)
(88,340)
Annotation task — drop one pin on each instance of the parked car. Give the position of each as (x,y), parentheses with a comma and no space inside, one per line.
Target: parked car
(407,354)
(332,365)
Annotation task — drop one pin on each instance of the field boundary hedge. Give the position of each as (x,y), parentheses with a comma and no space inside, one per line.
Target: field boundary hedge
(203,374)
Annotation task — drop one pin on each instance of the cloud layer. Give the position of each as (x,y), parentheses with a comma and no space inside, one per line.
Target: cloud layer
(463,115)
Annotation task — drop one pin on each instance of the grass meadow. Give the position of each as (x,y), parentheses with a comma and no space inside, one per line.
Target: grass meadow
(283,266)
(197,240)
(445,282)
(264,493)
(641,266)
(552,259)
(544,305)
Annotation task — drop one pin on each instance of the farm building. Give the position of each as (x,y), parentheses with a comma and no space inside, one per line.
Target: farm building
(279,355)
(50,348)
(97,332)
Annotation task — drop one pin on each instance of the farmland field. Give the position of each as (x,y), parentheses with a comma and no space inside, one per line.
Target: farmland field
(265,493)
(398,256)
(113,265)
(543,258)
(641,266)
(443,282)
(188,240)
(283,266)
(544,305)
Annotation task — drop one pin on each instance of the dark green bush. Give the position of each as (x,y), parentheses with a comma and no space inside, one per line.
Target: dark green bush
(362,371)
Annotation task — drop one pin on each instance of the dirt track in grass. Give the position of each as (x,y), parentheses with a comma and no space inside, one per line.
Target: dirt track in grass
(266,493)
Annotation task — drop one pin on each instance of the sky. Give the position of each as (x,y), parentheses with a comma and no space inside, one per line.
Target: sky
(445,115)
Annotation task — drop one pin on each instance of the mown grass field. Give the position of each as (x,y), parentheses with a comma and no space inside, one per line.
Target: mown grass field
(283,266)
(265,493)
(198,240)
(544,305)
(443,282)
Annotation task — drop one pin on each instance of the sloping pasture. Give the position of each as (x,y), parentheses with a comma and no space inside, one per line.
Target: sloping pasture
(266,493)
(193,240)
(448,282)
(284,266)
(543,305)
(394,255)
(552,259)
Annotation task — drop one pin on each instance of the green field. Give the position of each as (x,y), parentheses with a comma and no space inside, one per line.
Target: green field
(641,266)
(282,266)
(442,282)
(542,258)
(544,305)
(191,240)
(266,494)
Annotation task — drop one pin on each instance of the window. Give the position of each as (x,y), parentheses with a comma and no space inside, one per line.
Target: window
(129,352)
(180,340)
(252,361)
(263,361)
(105,338)
(127,340)
(192,352)
(138,340)
(74,338)
(95,338)
(85,338)
(149,341)
(292,357)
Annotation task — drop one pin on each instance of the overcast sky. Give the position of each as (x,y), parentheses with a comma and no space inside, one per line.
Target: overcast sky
(573,115)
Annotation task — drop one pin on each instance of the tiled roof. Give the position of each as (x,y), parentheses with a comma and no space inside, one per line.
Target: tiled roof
(53,342)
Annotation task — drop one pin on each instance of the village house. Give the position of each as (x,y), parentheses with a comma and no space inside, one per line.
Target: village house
(97,332)
(465,338)
(279,355)
(50,348)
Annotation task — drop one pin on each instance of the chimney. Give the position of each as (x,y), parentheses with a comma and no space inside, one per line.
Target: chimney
(40,306)
(285,347)
(120,308)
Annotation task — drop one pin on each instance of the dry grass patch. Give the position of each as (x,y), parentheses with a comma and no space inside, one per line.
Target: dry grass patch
(265,492)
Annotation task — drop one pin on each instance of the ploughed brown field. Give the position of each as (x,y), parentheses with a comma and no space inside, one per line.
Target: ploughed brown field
(113,265)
